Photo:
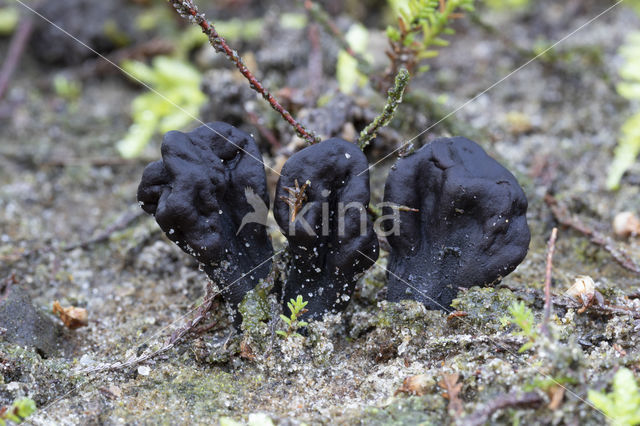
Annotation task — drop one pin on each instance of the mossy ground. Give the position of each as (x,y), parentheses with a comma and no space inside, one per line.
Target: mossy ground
(554,123)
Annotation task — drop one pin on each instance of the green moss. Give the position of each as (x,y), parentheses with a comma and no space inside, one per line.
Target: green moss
(407,313)
(484,306)
(254,308)
(423,410)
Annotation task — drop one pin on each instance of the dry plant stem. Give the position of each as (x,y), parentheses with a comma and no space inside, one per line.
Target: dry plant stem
(176,336)
(314,64)
(188,9)
(563,216)
(603,309)
(122,223)
(322,17)
(264,131)
(483,414)
(16,48)
(452,387)
(394,99)
(551,248)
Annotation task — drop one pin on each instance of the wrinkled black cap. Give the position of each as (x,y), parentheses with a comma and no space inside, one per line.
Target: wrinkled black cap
(471,228)
(326,256)
(207,182)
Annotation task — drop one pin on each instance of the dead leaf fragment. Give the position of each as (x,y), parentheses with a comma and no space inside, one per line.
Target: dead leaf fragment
(414,385)
(556,396)
(584,291)
(72,317)
(246,352)
(619,349)
(457,314)
(452,388)
(112,391)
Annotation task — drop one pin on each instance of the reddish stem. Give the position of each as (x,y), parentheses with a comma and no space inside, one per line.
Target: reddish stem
(188,9)
(16,48)
(547,281)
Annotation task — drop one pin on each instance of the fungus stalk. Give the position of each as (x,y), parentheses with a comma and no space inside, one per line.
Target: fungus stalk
(394,99)
(188,9)
(331,238)
(209,196)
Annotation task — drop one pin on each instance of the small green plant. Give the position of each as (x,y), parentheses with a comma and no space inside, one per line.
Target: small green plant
(522,316)
(175,99)
(66,88)
(297,308)
(421,25)
(18,412)
(9,17)
(622,404)
(348,71)
(629,141)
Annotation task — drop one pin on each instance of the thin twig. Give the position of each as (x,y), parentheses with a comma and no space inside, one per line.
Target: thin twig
(188,9)
(547,282)
(484,413)
(598,309)
(314,65)
(175,338)
(562,215)
(122,223)
(394,99)
(322,17)
(264,131)
(16,48)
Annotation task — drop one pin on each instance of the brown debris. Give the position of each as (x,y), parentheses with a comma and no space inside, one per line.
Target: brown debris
(414,385)
(456,314)
(72,317)
(246,352)
(452,388)
(556,395)
(296,198)
(584,291)
(619,349)
(111,391)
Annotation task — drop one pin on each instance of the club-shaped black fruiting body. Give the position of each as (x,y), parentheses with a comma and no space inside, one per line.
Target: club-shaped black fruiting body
(326,188)
(207,182)
(471,227)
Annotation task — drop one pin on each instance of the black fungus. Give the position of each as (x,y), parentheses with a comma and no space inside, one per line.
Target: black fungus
(331,240)
(208,181)
(471,227)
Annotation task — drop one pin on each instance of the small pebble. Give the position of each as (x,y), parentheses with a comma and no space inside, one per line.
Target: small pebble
(626,224)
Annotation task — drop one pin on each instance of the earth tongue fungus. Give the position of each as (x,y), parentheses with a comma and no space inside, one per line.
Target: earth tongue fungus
(321,206)
(199,193)
(470,228)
